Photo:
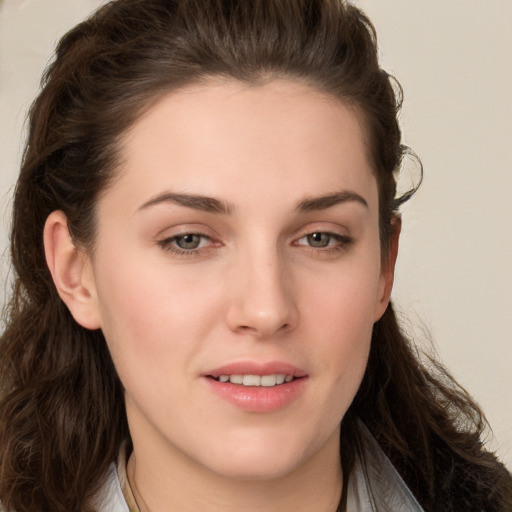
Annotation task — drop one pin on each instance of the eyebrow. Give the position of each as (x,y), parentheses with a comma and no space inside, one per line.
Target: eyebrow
(212,205)
(197,202)
(330,200)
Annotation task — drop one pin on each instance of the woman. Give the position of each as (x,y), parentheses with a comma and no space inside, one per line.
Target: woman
(204,236)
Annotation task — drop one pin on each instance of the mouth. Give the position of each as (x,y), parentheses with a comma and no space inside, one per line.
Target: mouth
(258,387)
(266,381)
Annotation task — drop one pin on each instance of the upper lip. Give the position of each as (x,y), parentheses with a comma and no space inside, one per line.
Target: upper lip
(256,368)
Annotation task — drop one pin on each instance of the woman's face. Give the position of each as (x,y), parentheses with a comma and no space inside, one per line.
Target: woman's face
(239,247)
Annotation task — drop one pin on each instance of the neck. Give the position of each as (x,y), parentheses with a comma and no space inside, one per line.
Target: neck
(164,484)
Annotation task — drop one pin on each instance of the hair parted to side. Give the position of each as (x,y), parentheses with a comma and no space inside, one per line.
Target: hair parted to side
(62,417)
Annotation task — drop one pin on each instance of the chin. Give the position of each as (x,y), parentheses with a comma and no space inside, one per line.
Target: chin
(260,457)
(264,467)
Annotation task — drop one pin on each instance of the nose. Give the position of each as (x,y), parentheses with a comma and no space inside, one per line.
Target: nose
(262,302)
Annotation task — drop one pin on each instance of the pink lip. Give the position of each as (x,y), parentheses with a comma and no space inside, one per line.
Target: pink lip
(253,398)
(255,368)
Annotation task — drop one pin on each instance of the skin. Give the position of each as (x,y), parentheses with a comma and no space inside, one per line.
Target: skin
(258,287)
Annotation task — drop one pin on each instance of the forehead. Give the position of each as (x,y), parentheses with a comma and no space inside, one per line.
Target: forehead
(226,138)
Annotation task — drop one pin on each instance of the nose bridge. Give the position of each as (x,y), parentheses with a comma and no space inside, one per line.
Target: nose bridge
(263,301)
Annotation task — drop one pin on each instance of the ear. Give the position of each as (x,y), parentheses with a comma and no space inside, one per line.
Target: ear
(388,269)
(71,271)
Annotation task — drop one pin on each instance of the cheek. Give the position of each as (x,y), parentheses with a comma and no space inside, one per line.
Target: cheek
(340,318)
(343,299)
(344,333)
(150,314)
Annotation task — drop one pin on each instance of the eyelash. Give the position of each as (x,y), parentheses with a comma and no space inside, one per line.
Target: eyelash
(169,244)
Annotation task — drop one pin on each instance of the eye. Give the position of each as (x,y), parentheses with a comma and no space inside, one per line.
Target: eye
(325,240)
(189,241)
(319,240)
(186,243)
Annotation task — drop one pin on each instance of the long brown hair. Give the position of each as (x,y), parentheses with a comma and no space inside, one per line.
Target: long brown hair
(62,417)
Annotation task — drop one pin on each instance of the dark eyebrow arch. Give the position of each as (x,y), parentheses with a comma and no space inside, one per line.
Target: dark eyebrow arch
(197,202)
(324,202)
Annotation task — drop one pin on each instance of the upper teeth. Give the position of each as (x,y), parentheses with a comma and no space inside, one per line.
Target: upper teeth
(257,380)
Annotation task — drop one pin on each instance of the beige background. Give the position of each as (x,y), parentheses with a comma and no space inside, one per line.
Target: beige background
(454,277)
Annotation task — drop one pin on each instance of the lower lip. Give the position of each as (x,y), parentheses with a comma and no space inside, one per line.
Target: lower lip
(258,398)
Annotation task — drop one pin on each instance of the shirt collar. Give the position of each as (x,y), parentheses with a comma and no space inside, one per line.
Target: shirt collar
(123,480)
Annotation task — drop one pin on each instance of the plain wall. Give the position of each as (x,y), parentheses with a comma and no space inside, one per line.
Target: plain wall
(454,276)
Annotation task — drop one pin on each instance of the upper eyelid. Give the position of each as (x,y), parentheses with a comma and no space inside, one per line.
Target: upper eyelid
(301,233)
(339,230)
(318,231)
(182,230)
(331,227)
(185,233)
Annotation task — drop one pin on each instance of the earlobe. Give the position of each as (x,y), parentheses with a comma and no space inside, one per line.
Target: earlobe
(388,268)
(71,271)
